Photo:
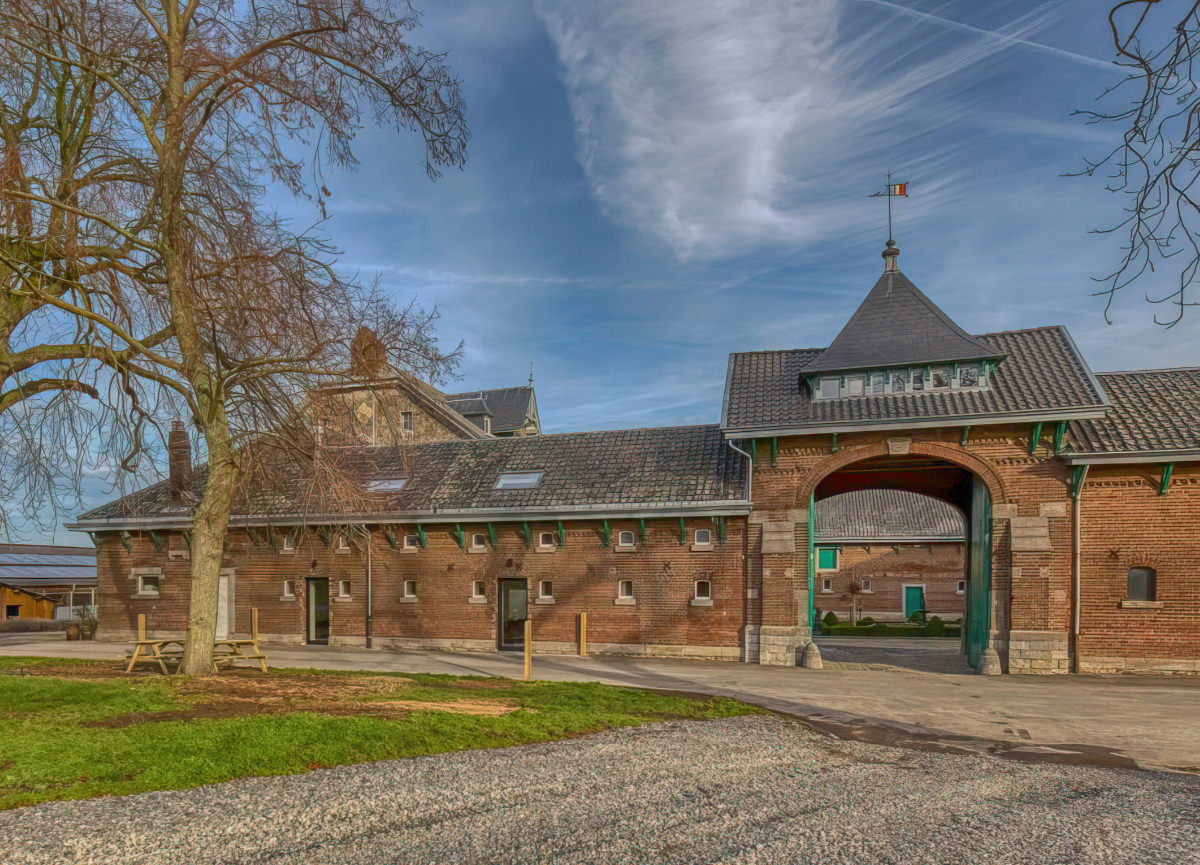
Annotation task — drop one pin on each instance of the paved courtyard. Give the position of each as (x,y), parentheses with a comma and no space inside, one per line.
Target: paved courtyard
(759,789)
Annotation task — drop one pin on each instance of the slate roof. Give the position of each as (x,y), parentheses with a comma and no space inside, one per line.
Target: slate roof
(897,324)
(1042,372)
(887,515)
(36,567)
(619,470)
(508,406)
(1152,410)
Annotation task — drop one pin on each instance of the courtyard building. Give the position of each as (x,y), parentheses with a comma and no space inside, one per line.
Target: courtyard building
(1074,549)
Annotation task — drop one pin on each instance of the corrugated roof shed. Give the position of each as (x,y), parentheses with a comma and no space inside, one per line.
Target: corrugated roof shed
(35,566)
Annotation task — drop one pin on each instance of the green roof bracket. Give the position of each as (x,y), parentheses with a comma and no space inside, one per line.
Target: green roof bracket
(1168,469)
(158,540)
(562,534)
(527,534)
(1060,434)
(421,535)
(389,532)
(124,536)
(966,434)
(491,530)
(642,531)
(1077,475)
(1035,437)
(754,450)
(606,532)
(721,529)
(326,534)
(682,532)
(459,538)
(833,444)
(774,451)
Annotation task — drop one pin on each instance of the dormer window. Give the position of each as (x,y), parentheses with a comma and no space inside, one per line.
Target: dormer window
(899,382)
(878,380)
(918,379)
(831,388)
(854,385)
(968,376)
(941,376)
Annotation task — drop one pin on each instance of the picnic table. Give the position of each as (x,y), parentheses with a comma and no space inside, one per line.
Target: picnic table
(226,651)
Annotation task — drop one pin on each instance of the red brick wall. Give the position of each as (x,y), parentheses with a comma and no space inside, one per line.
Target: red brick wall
(938,566)
(584,574)
(1125,523)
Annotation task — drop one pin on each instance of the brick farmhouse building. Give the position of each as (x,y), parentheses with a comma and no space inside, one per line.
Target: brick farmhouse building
(1081,496)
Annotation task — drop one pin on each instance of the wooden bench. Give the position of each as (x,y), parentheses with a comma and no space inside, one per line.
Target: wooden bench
(226,652)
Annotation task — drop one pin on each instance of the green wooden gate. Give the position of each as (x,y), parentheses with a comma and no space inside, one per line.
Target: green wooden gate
(978,613)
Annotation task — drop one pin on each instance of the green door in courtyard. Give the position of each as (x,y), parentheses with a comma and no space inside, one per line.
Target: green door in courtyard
(977,614)
(914,600)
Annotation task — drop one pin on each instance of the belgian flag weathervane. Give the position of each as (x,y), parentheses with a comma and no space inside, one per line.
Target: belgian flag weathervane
(890,191)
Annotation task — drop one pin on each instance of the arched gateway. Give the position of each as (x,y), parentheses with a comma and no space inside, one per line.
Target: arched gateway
(903,398)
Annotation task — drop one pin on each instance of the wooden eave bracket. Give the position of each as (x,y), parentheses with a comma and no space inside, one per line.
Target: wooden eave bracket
(606,533)
(1165,481)
(642,531)
(158,540)
(1035,437)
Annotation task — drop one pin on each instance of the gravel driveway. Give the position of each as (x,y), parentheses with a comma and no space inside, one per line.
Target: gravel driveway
(756,789)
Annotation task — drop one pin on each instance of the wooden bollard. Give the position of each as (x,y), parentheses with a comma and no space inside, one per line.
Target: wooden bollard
(141,626)
(583,635)
(254,624)
(528,646)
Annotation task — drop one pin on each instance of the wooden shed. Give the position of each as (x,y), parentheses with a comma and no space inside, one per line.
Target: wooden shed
(16,603)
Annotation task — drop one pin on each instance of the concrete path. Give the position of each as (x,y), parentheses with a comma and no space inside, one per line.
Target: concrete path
(883,691)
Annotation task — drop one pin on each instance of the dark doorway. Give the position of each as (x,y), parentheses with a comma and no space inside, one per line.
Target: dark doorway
(514,610)
(318,611)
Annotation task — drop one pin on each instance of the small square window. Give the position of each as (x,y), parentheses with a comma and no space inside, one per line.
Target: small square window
(148,584)
(704,537)
(478,541)
(343,545)
(827,585)
(412,542)
(866,587)
(703,590)
(478,589)
(962,588)
(406,421)
(410,588)
(625,539)
(968,376)
(831,388)
(827,558)
(343,588)
(918,379)
(941,376)
(288,544)
(854,385)
(1141,585)
(625,589)
(546,589)
(547,539)
(899,382)
(518,480)
(289,588)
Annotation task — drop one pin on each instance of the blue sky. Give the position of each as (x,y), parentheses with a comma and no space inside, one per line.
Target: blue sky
(654,185)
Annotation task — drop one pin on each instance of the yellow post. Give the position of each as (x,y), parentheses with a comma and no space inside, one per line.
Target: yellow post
(141,626)
(528,646)
(254,624)
(583,635)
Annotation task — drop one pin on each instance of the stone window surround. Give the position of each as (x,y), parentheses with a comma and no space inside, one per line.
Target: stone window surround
(837,558)
(409,597)
(622,599)
(406,547)
(699,600)
(699,546)
(827,586)
(478,598)
(137,574)
(866,587)
(477,548)
(284,594)
(924,371)
(544,598)
(543,547)
(343,597)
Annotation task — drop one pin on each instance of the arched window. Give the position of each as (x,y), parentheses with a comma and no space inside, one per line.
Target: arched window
(1141,585)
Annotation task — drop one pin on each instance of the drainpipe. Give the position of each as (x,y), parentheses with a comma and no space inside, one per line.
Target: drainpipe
(367,628)
(1076,569)
(746,556)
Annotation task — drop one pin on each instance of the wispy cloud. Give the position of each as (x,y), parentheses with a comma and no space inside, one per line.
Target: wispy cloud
(719,128)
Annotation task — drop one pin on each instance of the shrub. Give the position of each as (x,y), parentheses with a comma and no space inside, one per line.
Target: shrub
(866,621)
(917,617)
(879,628)
(936,627)
(830,619)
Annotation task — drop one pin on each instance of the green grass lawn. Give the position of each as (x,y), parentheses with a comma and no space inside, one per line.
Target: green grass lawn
(68,737)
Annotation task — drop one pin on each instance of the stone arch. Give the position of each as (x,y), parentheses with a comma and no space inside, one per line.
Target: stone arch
(950,453)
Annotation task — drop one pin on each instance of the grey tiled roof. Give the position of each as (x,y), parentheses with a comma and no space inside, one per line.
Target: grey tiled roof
(1042,372)
(1152,410)
(897,324)
(508,406)
(639,469)
(887,515)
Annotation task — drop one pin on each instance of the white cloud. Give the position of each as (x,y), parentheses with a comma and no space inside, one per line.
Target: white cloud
(718,127)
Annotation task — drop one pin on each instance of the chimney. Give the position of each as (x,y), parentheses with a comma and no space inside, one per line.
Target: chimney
(367,354)
(179,460)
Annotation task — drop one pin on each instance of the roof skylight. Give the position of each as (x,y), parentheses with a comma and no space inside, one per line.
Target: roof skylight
(386,485)
(518,480)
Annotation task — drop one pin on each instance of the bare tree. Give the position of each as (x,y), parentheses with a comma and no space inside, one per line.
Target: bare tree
(212,98)
(1157,164)
(853,590)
